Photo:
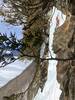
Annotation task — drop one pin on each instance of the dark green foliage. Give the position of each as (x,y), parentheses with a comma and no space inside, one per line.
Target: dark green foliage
(7,46)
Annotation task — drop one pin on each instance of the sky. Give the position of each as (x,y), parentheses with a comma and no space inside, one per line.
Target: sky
(8,28)
(51,90)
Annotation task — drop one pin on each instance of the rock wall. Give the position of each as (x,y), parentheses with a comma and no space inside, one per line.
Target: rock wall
(64,47)
(16,87)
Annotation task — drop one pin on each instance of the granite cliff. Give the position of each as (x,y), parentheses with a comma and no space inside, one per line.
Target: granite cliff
(16,89)
(64,47)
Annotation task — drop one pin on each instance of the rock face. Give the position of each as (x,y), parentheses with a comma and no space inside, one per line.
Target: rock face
(64,47)
(15,89)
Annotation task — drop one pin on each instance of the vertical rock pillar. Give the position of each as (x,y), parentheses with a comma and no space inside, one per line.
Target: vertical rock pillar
(64,47)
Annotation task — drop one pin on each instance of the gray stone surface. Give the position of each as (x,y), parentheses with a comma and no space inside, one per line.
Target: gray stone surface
(19,84)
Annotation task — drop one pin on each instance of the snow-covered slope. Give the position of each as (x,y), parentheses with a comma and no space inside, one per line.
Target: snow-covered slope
(12,70)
